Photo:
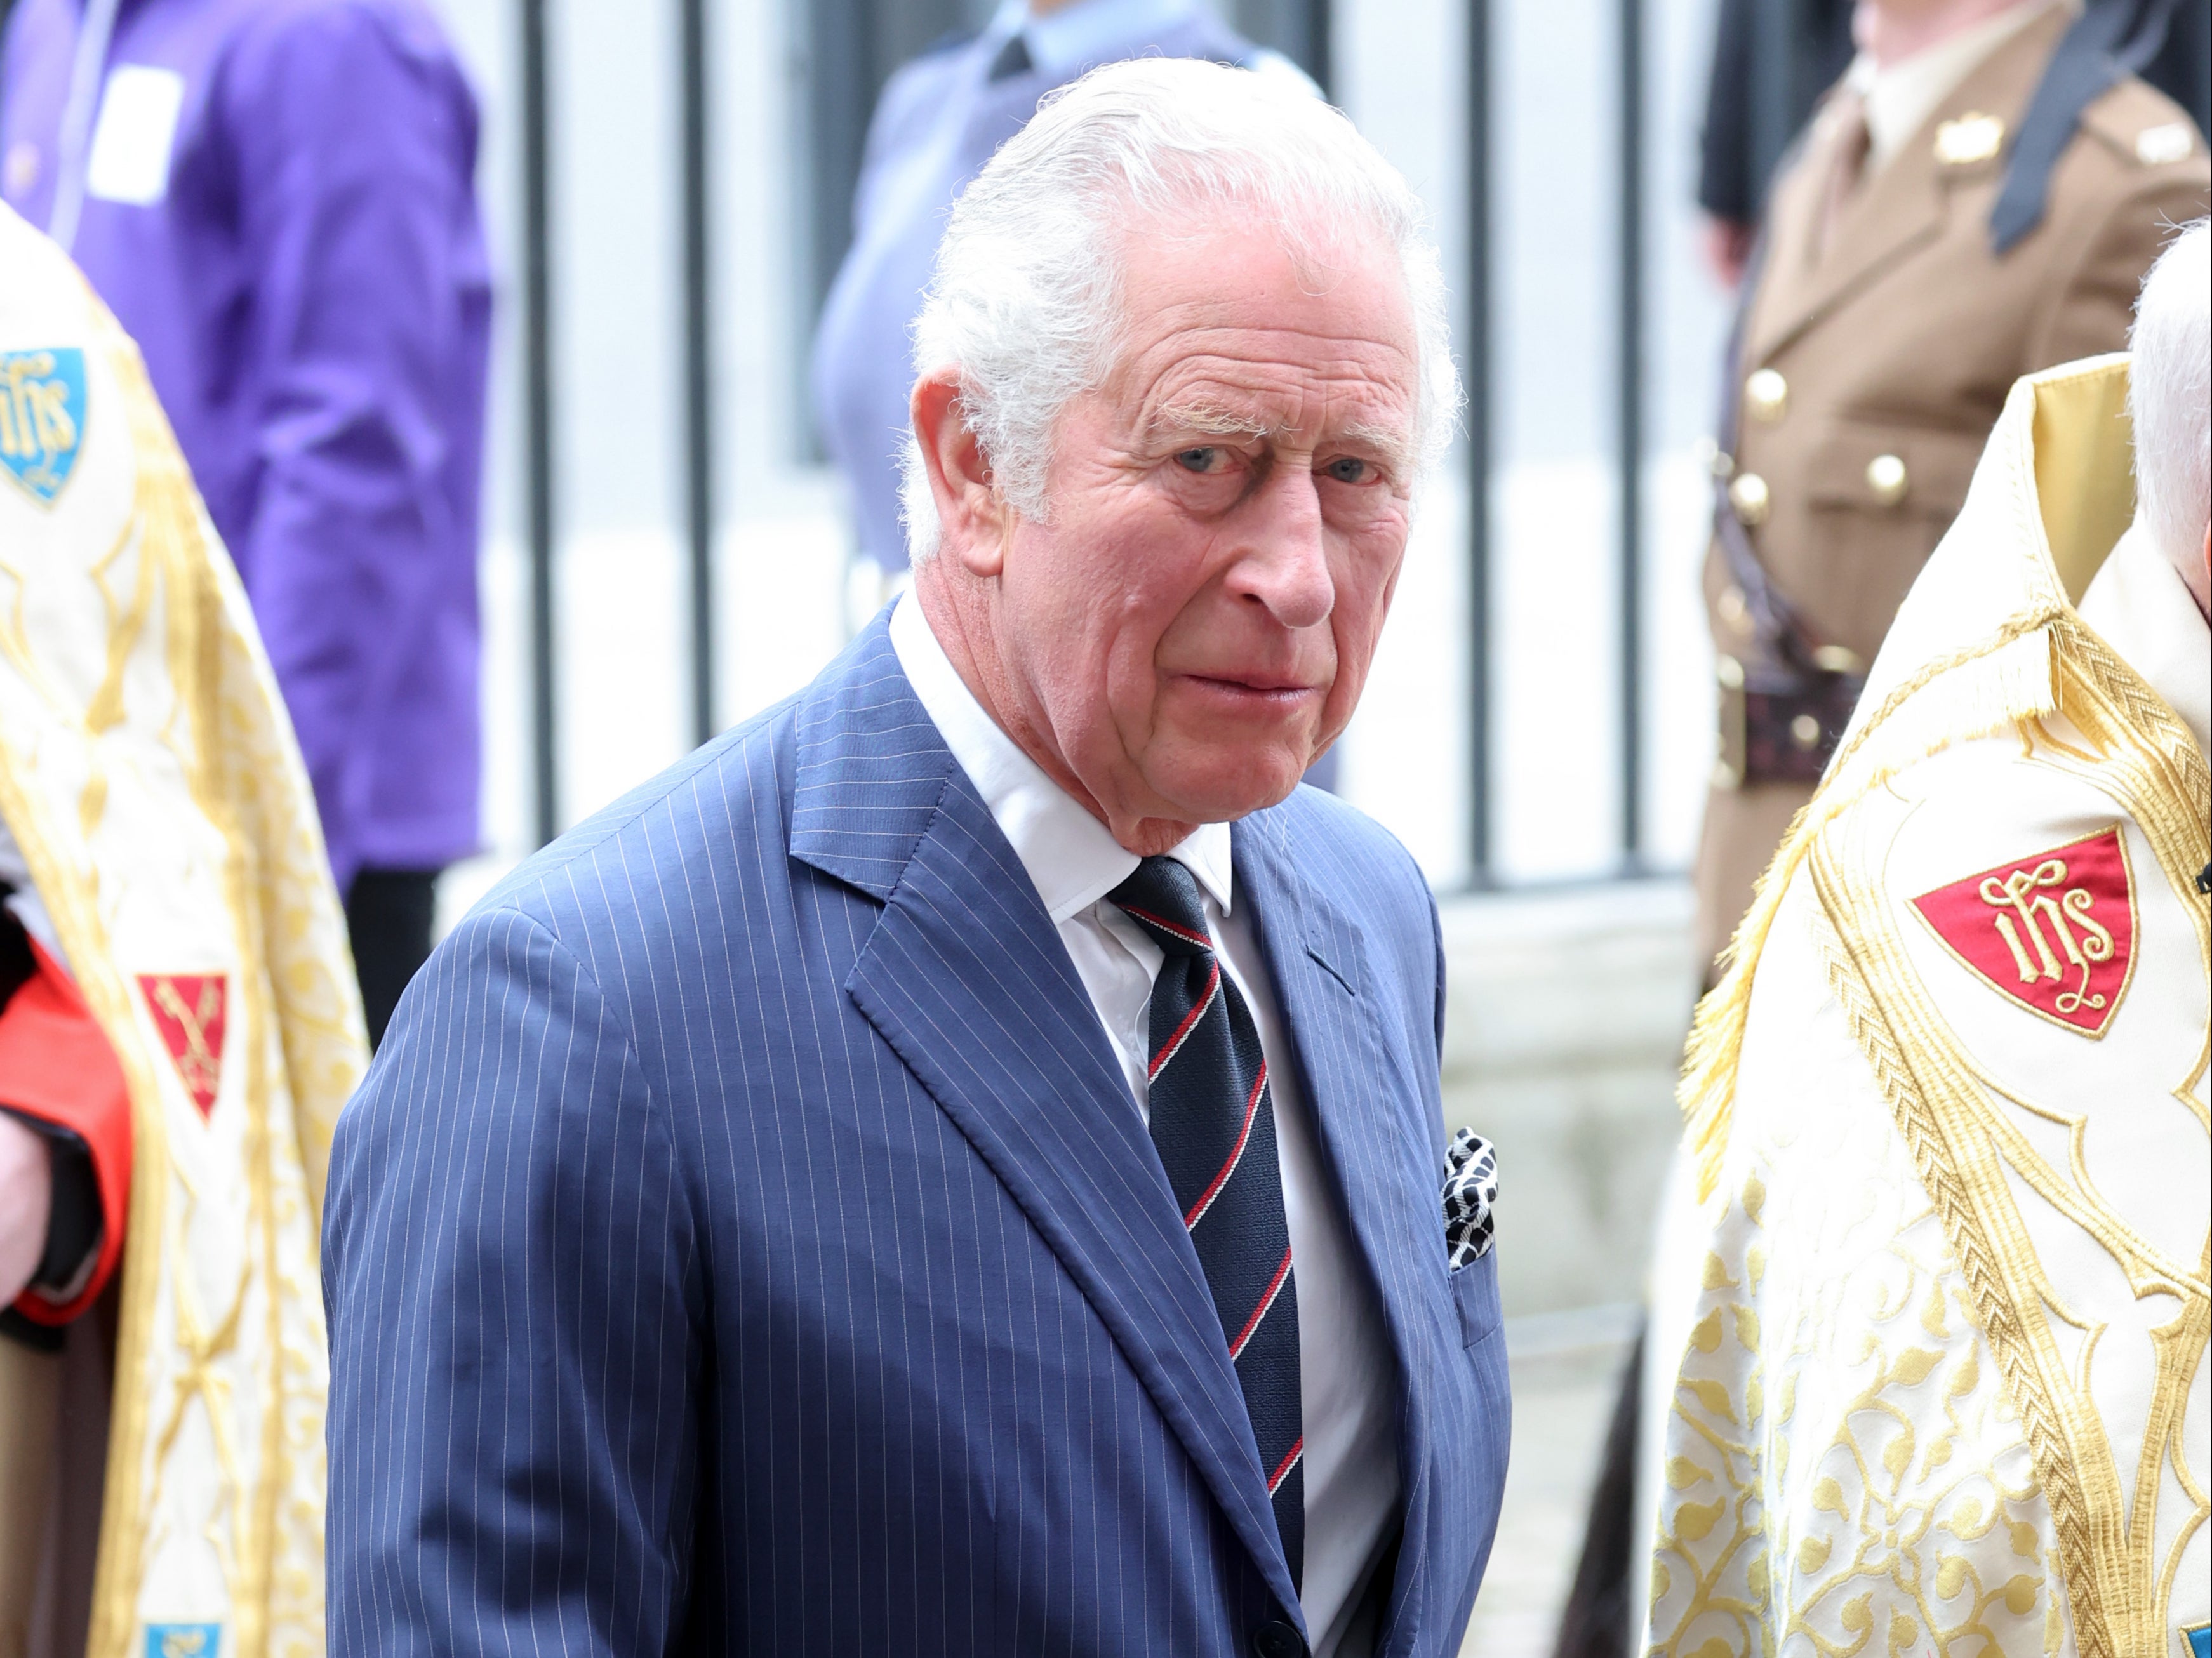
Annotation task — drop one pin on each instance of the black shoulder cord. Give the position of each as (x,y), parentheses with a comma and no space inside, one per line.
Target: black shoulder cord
(2110,40)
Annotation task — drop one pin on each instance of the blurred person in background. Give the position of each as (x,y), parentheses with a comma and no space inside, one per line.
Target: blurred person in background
(1737,144)
(178,1030)
(277,198)
(1937,1359)
(1772,59)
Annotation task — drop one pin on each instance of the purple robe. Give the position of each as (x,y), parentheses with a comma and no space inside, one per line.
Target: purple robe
(304,270)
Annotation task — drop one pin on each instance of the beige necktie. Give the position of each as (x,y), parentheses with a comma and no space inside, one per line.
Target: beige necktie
(1847,159)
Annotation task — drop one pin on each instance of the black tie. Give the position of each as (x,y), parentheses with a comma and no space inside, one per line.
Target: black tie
(1214,1124)
(1014,59)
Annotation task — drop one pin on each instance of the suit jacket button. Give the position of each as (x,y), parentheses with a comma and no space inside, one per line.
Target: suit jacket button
(1277,1639)
(1886,477)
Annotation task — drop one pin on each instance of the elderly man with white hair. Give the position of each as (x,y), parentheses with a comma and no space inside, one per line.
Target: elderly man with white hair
(957,1165)
(1938,1326)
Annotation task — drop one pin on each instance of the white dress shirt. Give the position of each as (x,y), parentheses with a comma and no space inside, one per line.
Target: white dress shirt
(1348,1395)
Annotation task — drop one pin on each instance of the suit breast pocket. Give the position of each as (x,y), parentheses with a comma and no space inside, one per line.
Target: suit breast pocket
(1474,1291)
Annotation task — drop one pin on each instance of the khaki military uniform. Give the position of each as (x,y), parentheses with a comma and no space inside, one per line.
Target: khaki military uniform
(1874,368)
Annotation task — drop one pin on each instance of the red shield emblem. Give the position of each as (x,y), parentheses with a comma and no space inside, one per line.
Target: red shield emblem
(2054,931)
(190,1009)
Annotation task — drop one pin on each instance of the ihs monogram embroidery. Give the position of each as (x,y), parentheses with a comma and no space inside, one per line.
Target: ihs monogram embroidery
(41,417)
(2054,932)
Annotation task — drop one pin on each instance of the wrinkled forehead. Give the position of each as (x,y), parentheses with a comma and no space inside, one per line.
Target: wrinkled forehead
(1237,327)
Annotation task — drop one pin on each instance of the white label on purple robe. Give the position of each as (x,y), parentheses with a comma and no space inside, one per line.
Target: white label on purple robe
(130,160)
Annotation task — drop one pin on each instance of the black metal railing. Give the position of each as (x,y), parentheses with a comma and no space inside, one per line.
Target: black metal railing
(1301,26)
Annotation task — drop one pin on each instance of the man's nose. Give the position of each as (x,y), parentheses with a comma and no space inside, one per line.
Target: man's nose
(1284,565)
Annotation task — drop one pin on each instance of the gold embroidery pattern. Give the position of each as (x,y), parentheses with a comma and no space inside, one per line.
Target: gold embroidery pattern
(1954,1112)
(1936,1156)
(1843,1469)
(1984,687)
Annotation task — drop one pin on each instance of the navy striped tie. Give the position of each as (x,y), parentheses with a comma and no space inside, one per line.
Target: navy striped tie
(1213,1123)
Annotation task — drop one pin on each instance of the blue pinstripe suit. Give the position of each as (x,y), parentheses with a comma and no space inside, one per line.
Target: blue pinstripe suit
(745,1241)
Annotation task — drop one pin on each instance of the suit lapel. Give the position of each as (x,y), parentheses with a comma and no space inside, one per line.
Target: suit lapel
(1904,207)
(1896,212)
(966,979)
(1388,1182)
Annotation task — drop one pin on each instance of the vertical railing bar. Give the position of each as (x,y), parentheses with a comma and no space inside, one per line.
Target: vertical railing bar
(1321,44)
(1774,73)
(1476,355)
(538,411)
(1629,458)
(698,371)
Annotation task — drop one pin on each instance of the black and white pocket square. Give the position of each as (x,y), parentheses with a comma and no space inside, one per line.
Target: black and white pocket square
(1470,1198)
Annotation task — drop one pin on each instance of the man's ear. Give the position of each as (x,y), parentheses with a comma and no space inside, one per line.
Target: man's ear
(972,516)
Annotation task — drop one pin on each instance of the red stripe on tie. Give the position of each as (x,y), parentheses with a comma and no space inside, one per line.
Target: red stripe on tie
(1189,1023)
(1181,932)
(1236,1156)
(1236,1347)
(1283,1471)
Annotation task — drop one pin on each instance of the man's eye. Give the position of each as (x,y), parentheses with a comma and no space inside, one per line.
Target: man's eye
(1205,459)
(1349,469)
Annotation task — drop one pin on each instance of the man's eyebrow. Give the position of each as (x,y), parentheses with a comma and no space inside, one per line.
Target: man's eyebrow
(1209,420)
(1212,420)
(1394,443)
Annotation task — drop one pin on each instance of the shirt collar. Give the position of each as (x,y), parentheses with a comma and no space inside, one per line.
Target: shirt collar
(2139,605)
(1087,32)
(1900,97)
(1068,853)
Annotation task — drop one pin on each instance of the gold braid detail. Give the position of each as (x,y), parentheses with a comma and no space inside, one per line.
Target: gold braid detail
(2008,1339)
(1706,1092)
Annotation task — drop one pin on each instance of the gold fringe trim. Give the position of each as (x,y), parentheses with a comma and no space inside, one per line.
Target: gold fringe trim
(1969,694)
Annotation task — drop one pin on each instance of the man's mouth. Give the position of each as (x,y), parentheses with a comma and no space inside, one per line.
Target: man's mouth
(1270,687)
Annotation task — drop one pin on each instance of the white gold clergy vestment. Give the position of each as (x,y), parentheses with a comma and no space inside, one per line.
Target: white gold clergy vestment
(1944,1388)
(149,774)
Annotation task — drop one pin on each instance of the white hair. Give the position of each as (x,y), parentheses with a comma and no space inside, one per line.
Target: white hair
(1026,305)
(2170,395)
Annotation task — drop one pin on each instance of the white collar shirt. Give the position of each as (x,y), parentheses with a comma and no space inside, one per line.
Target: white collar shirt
(1346,1376)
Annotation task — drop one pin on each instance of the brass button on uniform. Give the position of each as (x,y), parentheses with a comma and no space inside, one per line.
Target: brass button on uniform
(1730,606)
(1805,733)
(1747,495)
(1885,476)
(1837,658)
(2166,144)
(1766,396)
(1729,672)
(1970,138)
